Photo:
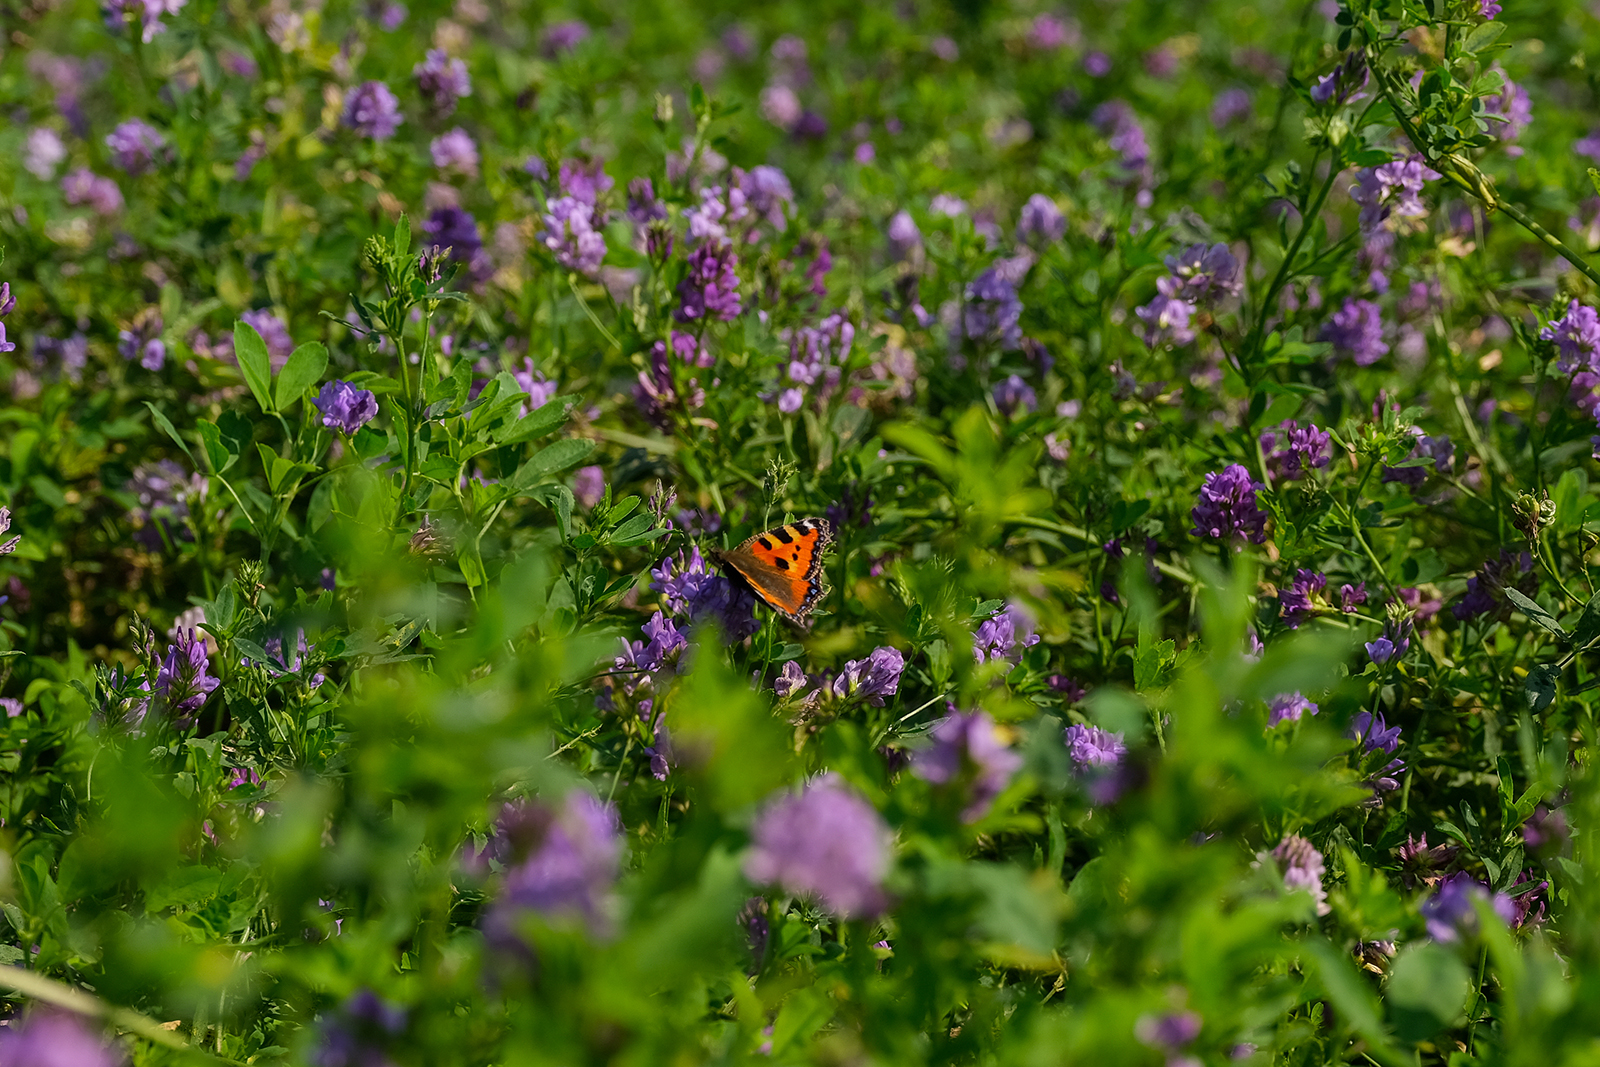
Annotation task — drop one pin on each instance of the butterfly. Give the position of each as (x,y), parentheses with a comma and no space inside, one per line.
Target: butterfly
(783,566)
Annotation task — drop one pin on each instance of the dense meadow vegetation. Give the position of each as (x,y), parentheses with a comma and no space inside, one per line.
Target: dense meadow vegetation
(1194,406)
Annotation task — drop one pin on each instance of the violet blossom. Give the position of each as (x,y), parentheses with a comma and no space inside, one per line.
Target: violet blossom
(344,407)
(570,234)
(1452,911)
(968,744)
(1228,508)
(1302,869)
(442,80)
(1004,635)
(711,288)
(689,586)
(371,110)
(827,843)
(1288,707)
(135,146)
(1356,331)
(1293,450)
(560,862)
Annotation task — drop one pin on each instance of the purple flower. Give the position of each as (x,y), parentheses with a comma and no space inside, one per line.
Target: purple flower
(589,486)
(561,862)
(1228,508)
(711,287)
(1451,910)
(584,179)
(1116,120)
(1097,761)
(780,106)
(643,206)
(688,586)
(1166,317)
(360,1033)
(1097,64)
(993,313)
(968,740)
(1513,110)
(442,80)
(135,146)
(1302,868)
(1288,707)
(1297,601)
(763,194)
(1352,597)
(1343,83)
(540,389)
(1488,9)
(1356,330)
(143,340)
(273,332)
(345,408)
(1048,32)
(1389,646)
(562,37)
(12,706)
(371,110)
(904,237)
(183,676)
(457,230)
(825,842)
(1293,450)
(1546,830)
(570,234)
(146,13)
(1015,395)
(870,679)
(1377,736)
(1390,194)
(1207,273)
(51,1038)
(1170,1033)
(1484,591)
(1040,221)
(1230,106)
(1438,449)
(162,491)
(455,150)
(84,186)
(1577,338)
(44,152)
(997,638)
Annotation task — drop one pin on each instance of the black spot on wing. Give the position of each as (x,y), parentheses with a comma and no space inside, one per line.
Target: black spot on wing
(782,534)
(764,543)
(782,563)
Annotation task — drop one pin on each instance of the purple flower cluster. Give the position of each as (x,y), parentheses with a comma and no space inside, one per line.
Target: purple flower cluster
(1302,869)
(1391,644)
(711,288)
(1297,603)
(1452,909)
(162,491)
(688,586)
(184,677)
(762,194)
(1438,449)
(1356,331)
(1288,707)
(570,234)
(1013,395)
(442,80)
(1228,508)
(360,1033)
(1390,194)
(1510,111)
(146,14)
(827,843)
(1097,761)
(816,354)
(135,146)
(1040,221)
(455,150)
(1376,735)
(870,679)
(1577,338)
(454,228)
(1199,277)
(47,1037)
(1116,120)
(1003,636)
(371,110)
(84,186)
(142,340)
(274,334)
(345,408)
(968,745)
(560,861)
(1484,595)
(1343,83)
(1293,450)
(993,313)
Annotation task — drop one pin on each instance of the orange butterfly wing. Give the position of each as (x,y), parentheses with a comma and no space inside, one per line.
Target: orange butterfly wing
(784,566)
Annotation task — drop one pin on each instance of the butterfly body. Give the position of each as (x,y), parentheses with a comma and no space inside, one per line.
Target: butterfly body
(783,566)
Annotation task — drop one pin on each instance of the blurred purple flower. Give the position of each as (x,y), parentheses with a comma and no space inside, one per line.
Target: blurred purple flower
(1484,591)
(1296,602)
(1377,736)
(569,233)
(1343,83)
(1292,450)
(1049,32)
(1577,338)
(761,194)
(1014,396)
(643,206)
(273,332)
(1390,194)
(371,110)
(589,486)
(442,80)
(145,13)
(1004,635)
(360,1033)
(1451,911)
(1230,106)
(993,313)
(1288,707)
(1040,221)
(1228,508)
(84,186)
(562,37)
(142,340)
(1356,331)
(1439,449)
(1171,1032)
(1166,317)
(44,151)
(711,288)
(780,106)
(1302,868)
(48,1037)
(135,146)
(963,740)
(1488,9)
(870,679)
(825,842)
(584,179)
(561,862)
(344,407)
(455,150)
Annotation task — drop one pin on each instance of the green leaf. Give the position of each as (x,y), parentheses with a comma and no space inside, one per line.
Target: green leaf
(559,499)
(402,236)
(1353,1000)
(548,461)
(1540,685)
(167,428)
(1587,627)
(632,528)
(254,363)
(1535,613)
(1483,36)
(221,456)
(1427,990)
(305,366)
(546,419)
